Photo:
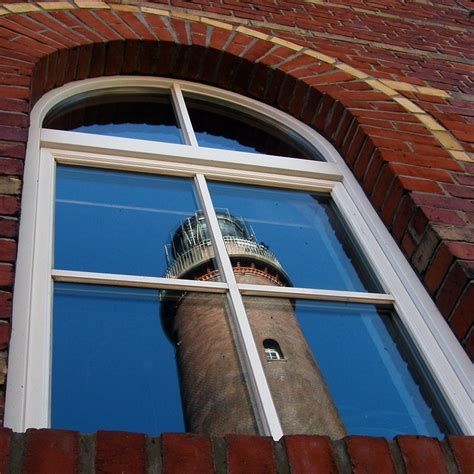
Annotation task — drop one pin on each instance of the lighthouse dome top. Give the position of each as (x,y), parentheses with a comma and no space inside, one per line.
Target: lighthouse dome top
(191,249)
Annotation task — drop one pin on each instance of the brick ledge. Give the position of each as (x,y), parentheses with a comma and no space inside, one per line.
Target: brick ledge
(46,451)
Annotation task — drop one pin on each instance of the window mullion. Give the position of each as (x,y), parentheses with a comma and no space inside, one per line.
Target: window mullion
(267,417)
(138,281)
(183,116)
(316,294)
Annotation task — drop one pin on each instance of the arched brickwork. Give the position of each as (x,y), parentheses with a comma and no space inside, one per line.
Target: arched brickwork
(414,170)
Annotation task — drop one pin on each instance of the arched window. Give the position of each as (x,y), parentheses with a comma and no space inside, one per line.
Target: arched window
(272,350)
(138,191)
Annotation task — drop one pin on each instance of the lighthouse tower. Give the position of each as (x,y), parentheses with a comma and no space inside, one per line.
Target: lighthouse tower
(213,389)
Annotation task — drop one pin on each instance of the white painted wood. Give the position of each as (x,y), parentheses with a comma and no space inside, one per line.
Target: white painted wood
(19,351)
(112,279)
(266,414)
(183,115)
(29,391)
(175,168)
(184,154)
(313,294)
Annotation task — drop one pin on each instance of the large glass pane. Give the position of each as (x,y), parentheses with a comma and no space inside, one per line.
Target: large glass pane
(347,363)
(229,128)
(141,116)
(117,353)
(113,367)
(296,236)
(119,222)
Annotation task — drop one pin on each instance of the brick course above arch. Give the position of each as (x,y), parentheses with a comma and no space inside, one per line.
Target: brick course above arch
(407,142)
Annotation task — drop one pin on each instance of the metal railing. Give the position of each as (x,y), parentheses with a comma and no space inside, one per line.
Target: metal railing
(235,247)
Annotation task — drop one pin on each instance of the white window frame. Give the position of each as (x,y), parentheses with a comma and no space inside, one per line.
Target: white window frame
(28,387)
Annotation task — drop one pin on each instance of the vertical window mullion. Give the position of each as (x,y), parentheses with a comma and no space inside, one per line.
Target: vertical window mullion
(267,417)
(183,116)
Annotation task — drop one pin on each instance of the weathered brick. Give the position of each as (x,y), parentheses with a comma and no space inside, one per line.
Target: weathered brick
(186,453)
(463,450)
(464,251)
(452,287)
(443,216)
(9,185)
(310,454)
(9,205)
(11,166)
(6,275)
(383,183)
(49,451)
(325,106)
(114,58)
(249,454)
(98,60)
(392,201)
(420,185)
(462,316)
(460,190)
(120,452)
(15,134)
(438,267)
(7,250)
(5,306)
(425,250)
(5,446)
(370,455)
(422,455)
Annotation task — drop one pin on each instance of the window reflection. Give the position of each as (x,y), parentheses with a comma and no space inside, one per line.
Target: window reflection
(351,354)
(219,126)
(118,222)
(303,231)
(141,116)
(113,367)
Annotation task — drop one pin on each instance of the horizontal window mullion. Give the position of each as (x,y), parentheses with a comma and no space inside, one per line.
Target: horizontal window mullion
(141,165)
(316,294)
(177,154)
(159,283)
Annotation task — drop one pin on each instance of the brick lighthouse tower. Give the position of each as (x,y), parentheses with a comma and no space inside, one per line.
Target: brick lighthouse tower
(213,389)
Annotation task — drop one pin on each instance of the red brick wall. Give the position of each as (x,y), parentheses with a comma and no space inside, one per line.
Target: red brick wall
(47,451)
(409,139)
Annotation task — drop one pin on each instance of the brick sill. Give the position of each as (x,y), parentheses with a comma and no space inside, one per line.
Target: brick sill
(48,451)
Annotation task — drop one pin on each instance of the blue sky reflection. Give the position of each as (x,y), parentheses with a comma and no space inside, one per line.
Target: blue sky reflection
(113,367)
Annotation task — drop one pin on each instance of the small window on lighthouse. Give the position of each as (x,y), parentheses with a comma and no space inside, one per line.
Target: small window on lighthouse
(272,350)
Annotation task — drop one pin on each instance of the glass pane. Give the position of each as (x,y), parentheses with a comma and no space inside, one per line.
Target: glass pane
(119,222)
(345,366)
(226,128)
(117,353)
(295,236)
(113,367)
(142,116)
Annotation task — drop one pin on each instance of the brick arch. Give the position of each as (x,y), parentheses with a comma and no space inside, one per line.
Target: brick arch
(387,140)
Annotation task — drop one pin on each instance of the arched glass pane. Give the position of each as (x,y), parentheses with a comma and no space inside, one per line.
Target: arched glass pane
(141,116)
(229,128)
